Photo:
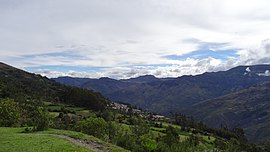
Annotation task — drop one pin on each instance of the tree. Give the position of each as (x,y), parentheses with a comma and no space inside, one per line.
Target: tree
(193,140)
(83,98)
(171,136)
(107,115)
(139,128)
(148,144)
(97,127)
(114,131)
(127,141)
(240,134)
(9,113)
(40,119)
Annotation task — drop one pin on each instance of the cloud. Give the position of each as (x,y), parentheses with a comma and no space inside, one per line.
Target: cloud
(248,69)
(201,54)
(122,34)
(266,73)
(258,55)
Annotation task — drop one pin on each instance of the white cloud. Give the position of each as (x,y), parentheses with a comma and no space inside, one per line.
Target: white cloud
(123,33)
(266,73)
(248,69)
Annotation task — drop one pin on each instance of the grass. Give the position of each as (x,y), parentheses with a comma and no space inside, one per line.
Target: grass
(168,124)
(157,134)
(79,135)
(75,108)
(209,139)
(86,113)
(54,108)
(54,114)
(47,103)
(158,129)
(12,140)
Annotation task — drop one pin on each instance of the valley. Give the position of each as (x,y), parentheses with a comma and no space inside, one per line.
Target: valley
(182,94)
(39,110)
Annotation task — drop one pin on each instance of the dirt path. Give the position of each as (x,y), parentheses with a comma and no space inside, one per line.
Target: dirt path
(92,145)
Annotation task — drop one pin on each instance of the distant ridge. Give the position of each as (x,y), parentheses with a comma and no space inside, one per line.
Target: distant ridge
(179,94)
(142,79)
(248,109)
(173,94)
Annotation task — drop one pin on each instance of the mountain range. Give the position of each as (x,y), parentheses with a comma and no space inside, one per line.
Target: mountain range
(238,97)
(248,109)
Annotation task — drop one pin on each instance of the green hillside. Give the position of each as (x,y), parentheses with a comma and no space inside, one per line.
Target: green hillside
(247,109)
(52,140)
(18,84)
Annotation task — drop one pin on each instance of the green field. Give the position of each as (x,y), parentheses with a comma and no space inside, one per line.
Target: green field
(12,140)
(79,135)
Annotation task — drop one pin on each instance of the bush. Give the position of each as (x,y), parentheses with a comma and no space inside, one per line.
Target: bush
(97,127)
(148,144)
(9,113)
(23,113)
(41,119)
(171,136)
(128,141)
(114,131)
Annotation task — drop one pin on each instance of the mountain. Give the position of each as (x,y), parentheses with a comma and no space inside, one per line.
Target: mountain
(248,109)
(174,94)
(73,81)
(20,85)
(238,97)
(142,79)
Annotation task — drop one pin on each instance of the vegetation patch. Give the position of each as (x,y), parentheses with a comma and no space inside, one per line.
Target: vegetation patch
(12,140)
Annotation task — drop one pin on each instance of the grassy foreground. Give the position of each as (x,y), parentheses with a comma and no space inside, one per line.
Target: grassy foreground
(79,135)
(13,140)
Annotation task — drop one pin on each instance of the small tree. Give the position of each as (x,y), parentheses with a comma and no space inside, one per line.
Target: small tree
(148,144)
(97,127)
(139,128)
(107,115)
(9,113)
(127,141)
(40,119)
(171,136)
(114,131)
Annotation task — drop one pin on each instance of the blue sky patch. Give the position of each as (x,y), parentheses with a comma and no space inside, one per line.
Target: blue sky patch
(201,54)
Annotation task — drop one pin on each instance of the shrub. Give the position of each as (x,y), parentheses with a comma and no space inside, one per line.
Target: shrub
(97,127)
(9,113)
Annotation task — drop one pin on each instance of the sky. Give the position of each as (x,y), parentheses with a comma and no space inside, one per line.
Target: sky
(128,38)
